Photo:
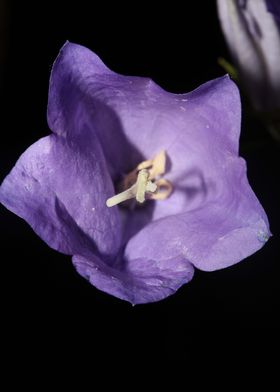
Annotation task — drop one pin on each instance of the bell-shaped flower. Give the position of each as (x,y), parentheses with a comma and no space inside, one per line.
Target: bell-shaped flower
(137,184)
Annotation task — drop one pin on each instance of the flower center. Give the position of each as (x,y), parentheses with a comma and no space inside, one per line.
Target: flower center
(144,182)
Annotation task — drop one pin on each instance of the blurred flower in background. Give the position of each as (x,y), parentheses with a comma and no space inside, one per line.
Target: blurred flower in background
(252,31)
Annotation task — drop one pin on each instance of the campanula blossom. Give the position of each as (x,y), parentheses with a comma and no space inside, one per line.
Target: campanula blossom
(137,184)
(251,29)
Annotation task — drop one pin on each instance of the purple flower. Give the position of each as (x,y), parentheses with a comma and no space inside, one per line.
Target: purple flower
(253,37)
(177,155)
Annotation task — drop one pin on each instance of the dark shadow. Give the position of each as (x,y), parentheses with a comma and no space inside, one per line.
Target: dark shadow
(85,244)
(193,184)
(168,164)
(91,121)
(121,155)
(83,110)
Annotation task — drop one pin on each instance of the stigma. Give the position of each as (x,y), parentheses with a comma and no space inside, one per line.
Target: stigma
(144,182)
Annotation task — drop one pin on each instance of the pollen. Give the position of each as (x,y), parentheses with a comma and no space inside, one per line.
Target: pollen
(144,182)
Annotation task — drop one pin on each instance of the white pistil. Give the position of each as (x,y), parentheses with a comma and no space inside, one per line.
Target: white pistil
(137,190)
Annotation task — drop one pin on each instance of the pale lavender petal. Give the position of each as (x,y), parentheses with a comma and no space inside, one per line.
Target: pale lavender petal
(254,41)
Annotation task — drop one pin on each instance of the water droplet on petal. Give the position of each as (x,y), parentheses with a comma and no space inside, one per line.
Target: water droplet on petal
(263,236)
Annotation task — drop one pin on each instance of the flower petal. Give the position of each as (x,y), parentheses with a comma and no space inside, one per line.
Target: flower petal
(78,79)
(207,140)
(59,186)
(144,280)
(254,41)
(220,233)
(199,150)
(133,112)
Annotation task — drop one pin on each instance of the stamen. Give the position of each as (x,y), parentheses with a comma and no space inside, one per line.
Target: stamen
(138,184)
(164,190)
(137,190)
(156,165)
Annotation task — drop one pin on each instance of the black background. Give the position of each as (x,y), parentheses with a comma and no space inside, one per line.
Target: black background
(44,298)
